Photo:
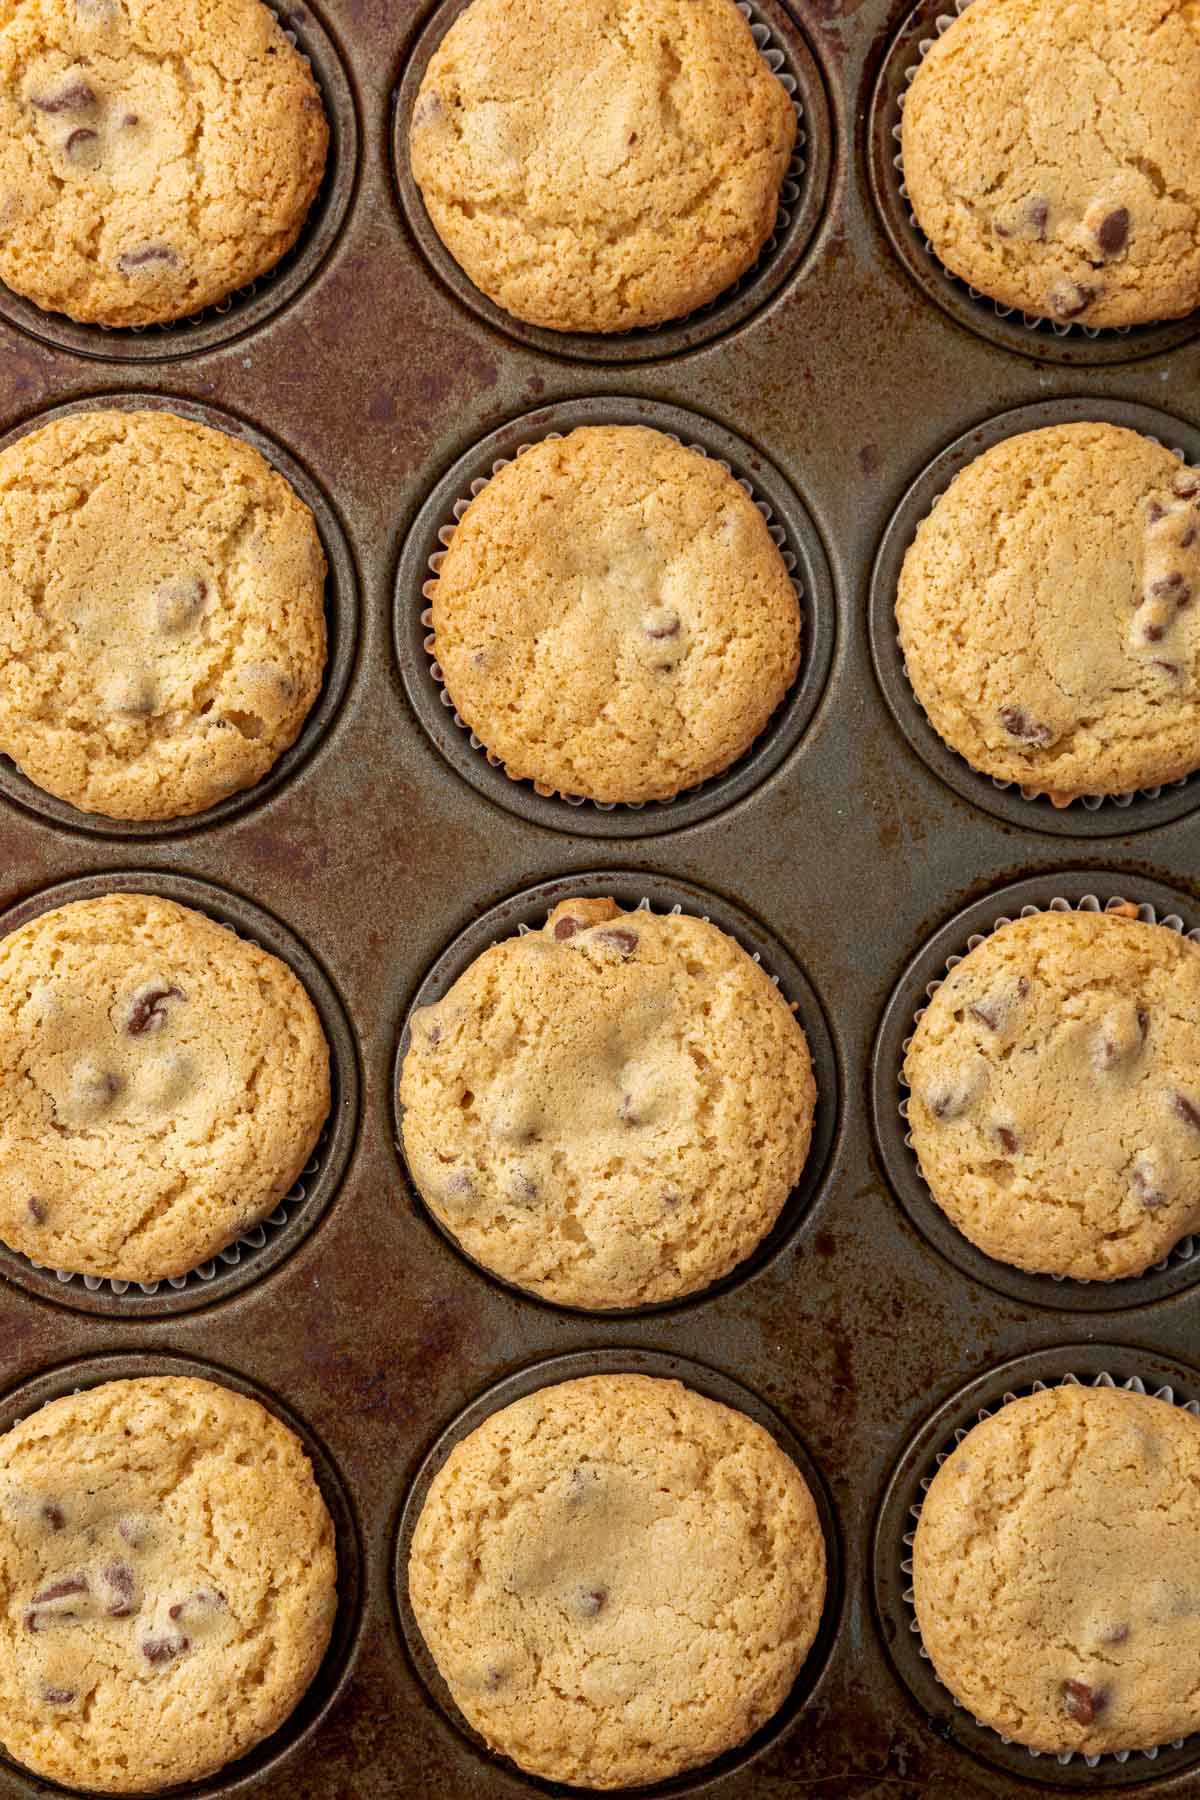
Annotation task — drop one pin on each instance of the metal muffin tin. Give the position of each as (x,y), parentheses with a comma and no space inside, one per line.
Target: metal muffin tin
(377,374)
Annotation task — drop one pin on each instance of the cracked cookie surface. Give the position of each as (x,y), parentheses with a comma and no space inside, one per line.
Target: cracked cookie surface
(1050,156)
(155,155)
(597,165)
(169,1579)
(1055,1571)
(162,623)
(618,1579)
(1049,612)
(612,617)
(162,1086)
(611,1111)
(1055,1105)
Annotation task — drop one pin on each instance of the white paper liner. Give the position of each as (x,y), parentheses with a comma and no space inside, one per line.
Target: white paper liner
(1186,1248)
(253,1239)
(1032,321)
(1134,1385)
(219,308)
(1090,802)
(445,534)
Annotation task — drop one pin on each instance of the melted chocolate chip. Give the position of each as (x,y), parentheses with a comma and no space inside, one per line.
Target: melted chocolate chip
(493,1679)
(987,1012)
(1114,231)
(77,97)
(661,624)
(57,1696)
(36,1209)
(1155,512)
(1144,1184)
(1017,722)
(1081,1702)
(1115,1634)
(1186,484)
(623,941)
(130,261)
(1172,587)
(42,1619)
(79,144)
(947,1100)
(1008,1140)
(1069,302)
(565,928)
(147,1011)
(62,1590)
(593,1601)
(119,1576)
(1039,218)
(1187,1110)
(164,1649)
(177,603)
(54,1515)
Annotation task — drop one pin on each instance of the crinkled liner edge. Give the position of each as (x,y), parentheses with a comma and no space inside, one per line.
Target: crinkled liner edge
(1134,1385)
(1033,322)
(238,296)
(1187,1247)
(1031,796)
(778,536)
(231,1255)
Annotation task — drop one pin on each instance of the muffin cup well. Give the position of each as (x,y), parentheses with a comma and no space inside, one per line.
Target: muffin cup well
(714,1385)
(1092,1365)
(268,1757)
(790,527)
(801,202)
(248,307)
(1096,815)
(341,625)
(265,1246)
(1025,333)
(1090,891)
(526,912)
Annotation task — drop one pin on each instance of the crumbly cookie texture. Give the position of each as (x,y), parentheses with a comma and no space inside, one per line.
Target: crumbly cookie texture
(596,165)
(1048,612)
(612,617)
(618,1579)
(1050,156)
(169,1574)
(154,154)
(611,1111)
(1055,1571)
(1055,1104)
(162,1085)
(162,623)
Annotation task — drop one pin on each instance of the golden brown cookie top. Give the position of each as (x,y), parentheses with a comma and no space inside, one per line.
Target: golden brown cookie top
(619,1579)
(155,155)
(596,165)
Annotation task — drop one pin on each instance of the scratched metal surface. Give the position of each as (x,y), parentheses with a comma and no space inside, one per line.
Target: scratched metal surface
(376,854)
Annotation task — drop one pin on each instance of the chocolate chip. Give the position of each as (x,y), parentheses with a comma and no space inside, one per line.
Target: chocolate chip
(565,928)
(1170,667)
(1189,538)
(1018,724)
(42,1620)
(36,1209)
(661,623)
(1187,1110)
(134,1531)
(119,1576)
(1144,1183)
(76,97)
(623,941)
(79,145)
(493,1679)
(1114,231)
(1081,1702)
(129,120)
(593,1601)
(988,1013)
(1186,484)
(1008,1140)
(57,1696)
(54,1515)
(1114,1634)
(147,1011)
(130,261)
(1068,302)
(164,1649)
(1172,587)
(1155,512)
(1039,217)
(949,1100)
(178,602)
(61,1590)
(626,1111)
(204,1600)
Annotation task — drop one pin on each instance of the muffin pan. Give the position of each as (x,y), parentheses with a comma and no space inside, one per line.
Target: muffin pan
(854,858)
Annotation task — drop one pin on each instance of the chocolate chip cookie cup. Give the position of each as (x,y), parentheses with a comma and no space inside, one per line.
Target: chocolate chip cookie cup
(1089,816)
(1107,1369)
(516,1146)
(706,1385)
(791,530)
(262,1247)
(341,611)
(1090,894)
(140,1561)
(1060,341)
(801,204)
(247,308)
